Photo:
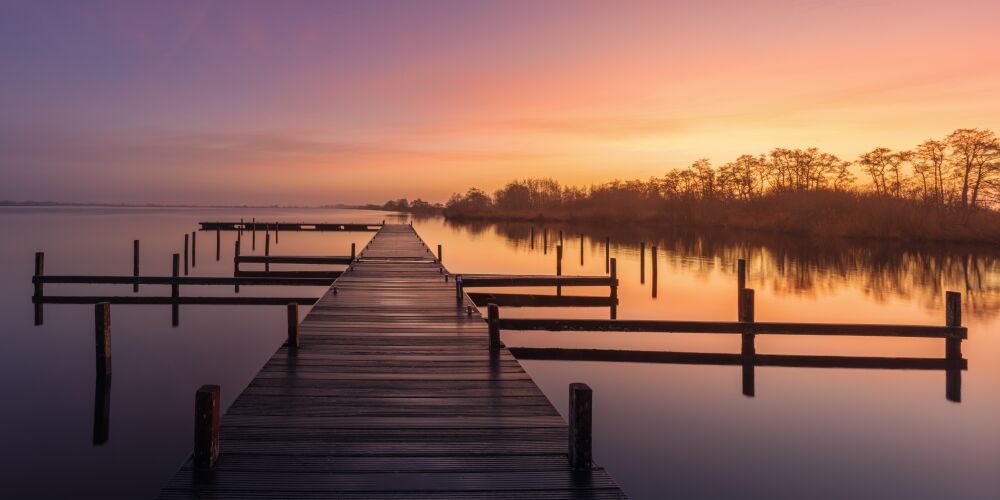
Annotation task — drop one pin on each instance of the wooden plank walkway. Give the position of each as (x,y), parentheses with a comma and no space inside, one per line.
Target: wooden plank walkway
(392,393)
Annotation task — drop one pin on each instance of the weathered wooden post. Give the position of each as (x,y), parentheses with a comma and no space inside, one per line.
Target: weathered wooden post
(953,347)
(39,287)
(353,251)
(206,426)
(135,265)
(102,410)
(581,249)
(581,403)
(293,325)
(276,226)
(741,283)
(218,244)
(613,263)
(458,289)
(236,264)
(653,260)
(439,253)
(607,254)
(253,228)
(559,258)
(185,254)
(175,290)
(194,249)
(748,349)
(102,338)
(642,262)
(493,319)
(267,250)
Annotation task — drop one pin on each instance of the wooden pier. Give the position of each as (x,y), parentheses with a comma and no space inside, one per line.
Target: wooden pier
(393,392)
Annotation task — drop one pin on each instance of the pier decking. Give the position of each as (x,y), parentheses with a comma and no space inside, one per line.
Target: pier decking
(392,393)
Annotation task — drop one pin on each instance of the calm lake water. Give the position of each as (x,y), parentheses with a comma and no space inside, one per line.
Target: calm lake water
(683,431)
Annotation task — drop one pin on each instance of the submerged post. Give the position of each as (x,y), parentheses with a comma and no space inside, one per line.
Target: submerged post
(135,265)
(748,348)
(293,325)
(581,402)
(102,338)
(613,263)
(39,286)
(493,320)
(206,426)
(953,348)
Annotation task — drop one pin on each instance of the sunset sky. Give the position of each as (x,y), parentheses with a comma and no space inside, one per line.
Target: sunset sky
(328,102)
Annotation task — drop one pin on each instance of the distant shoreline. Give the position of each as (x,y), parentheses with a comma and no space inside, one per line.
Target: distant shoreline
(9,203)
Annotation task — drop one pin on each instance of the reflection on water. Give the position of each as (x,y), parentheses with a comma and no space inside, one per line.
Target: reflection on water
(814,429)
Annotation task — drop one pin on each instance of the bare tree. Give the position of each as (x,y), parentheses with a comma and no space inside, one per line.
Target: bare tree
(973,154)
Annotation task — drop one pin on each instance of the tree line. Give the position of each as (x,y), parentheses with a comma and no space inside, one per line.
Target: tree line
(961,170)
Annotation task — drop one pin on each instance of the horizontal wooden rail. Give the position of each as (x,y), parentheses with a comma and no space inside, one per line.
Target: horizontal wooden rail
(503,280)
(736,327)
(527,300)
(258,301)
(288,226)
(705,358)
(291,259)
(289,274)
(180,280)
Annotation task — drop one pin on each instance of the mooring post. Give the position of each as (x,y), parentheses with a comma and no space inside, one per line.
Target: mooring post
(559,258)
(748,348)
(439,253)
(194,249)
(493,322)
(267,250)
(39,287)
(185,254)
(293,325)
(102,338)
(175,290)
(953,347)
(458,289)
(218,244)
(607,254)
(135,265)
(581,403)
(102,410)
(613,264)
(353,251)
(206,426)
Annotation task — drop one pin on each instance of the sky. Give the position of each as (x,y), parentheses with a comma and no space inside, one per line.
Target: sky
(317,102)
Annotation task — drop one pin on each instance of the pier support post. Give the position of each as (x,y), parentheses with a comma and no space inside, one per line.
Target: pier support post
(267,249)
(354,253)
(642,262)
(102,338)
(185,254)
(175,290)
(293,326)
(206,426)
(276,225)
(748,348)
(613,265)
(218,244)
(135,265)
(545,241)
(581,404)
(741,283)
(581,249)
(194,248)
(439,253)
(458,290)
(236,263)
(39,287)
(653,261)
(559,259)
(492,319)
(253,229)
(953,348)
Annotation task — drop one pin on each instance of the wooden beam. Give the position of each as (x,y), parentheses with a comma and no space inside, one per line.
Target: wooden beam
(529,300)
(133,300)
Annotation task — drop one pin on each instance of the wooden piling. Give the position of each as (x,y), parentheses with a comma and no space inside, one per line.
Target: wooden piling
(267,249)
(135,264)
(581,249)
(741,283)
(642,262)
(194,249)
(580,451)
(236,262)
(545,241)
(655,263)
(175,291)
(559,258)
(613,266)
(185,254)
(253,228)
(293,326)
(354,254)
(218,244)
(748,348)
(458,290)
(276,226)
(439,253)
(561,237)
(953,347)
(206,426)
(39,287)
(102,338)
(493,318)
(102,410)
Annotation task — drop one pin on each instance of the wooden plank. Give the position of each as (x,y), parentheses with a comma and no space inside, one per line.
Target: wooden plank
(392,393)
(502,280)
(529,300)
(182,280)
(294,259)
(216,301)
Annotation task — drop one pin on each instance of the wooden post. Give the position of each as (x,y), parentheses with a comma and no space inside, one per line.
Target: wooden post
(654,262)
(581,402)
(236,263)
(102,338)
(276,226)
(613,263)
(354,254)
(293,326)
(194,249)
(953,348)
(267,249)
(458,290)
(607,254)
(581,249)
(253,227)
(439,253)
(175,290)
(239,234)
(492,319)
(545,241)
(741,283)
(560,237)
(185,254)
(135,265)
(39,287)
(748,348)
(642,262)
(559,258)
(206,426)
(102,410)
(218,244)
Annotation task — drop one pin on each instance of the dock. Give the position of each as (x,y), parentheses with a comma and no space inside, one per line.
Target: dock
(392,392)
